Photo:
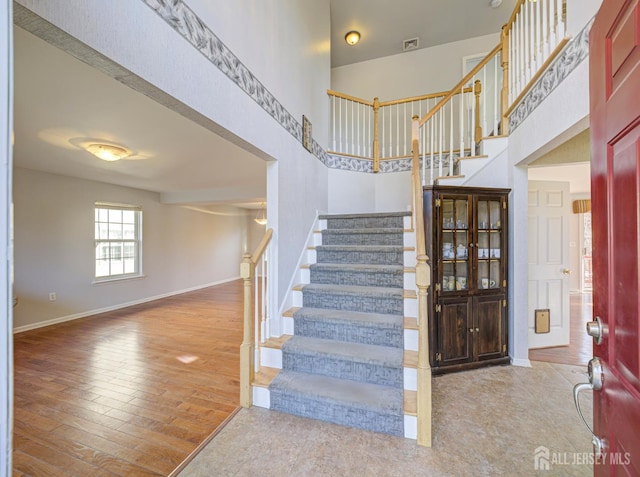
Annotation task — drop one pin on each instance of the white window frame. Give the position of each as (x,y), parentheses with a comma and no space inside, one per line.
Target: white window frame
(116,242)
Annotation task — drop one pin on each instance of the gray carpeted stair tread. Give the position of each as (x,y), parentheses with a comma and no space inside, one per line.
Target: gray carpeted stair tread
(364,319)
(361,248)
(382,399)
(357,267)
(356,352)
(372,230)
(358,216)
(359,291)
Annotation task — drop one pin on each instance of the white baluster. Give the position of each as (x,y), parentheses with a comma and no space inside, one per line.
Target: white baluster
(451,137)
(532,37)
(495,121)
(441,139)
(432,121)
(353,125)
(539,59)
(560,22)
(545,29)
(405,126)
(333,120)
(553,39)
(512,67)
(483,100)
(423,150)
(339,138)
(358,127)
(461,120)
(397,129)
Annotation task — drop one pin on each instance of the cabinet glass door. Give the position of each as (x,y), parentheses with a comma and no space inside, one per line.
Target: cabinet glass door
(454,241)
(489,244)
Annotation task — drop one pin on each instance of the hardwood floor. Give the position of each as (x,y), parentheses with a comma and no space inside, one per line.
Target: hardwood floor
(130,392)
(580,349)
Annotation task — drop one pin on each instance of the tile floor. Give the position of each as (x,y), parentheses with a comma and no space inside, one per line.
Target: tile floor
(487,422)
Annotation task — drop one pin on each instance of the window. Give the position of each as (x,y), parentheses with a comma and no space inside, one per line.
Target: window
(118,241)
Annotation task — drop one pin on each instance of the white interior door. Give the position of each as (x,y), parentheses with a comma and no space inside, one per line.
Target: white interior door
(549,213)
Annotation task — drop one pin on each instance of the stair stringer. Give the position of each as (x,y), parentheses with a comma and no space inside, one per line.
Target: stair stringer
(495,171)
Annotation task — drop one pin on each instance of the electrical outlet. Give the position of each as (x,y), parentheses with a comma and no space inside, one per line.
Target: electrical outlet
(52,296)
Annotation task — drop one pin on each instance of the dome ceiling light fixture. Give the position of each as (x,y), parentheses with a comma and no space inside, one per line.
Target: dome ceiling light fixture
(352,37)
(108,152)
(495,3)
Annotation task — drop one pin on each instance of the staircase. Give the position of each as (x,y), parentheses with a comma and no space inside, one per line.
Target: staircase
(344,362)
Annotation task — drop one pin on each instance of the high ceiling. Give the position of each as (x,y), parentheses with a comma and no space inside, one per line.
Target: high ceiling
(385,24)
(61,102)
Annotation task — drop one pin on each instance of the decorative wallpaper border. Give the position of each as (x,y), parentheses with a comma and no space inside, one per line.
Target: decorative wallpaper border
(184,21)
(573,54)
(354,164)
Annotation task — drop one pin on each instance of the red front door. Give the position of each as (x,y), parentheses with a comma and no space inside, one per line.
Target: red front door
(615,192)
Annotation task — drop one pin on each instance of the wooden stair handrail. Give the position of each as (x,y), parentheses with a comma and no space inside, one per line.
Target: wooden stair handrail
(460,84)
(262,246)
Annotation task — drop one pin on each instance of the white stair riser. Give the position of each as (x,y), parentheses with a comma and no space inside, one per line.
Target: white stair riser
(411,379)
(296,297)
(311,256)
(410,307)
(322,224)
(287,325)
(409,239)
(317,238)
(410,427)
(271,358)
(411,340)
(410,281)
(410,258)
(262,397)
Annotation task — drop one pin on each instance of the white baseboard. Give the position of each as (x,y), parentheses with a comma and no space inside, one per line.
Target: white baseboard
(84,314)
(525,363)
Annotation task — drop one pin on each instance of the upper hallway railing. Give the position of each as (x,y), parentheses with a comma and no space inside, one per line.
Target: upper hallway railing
(454,122)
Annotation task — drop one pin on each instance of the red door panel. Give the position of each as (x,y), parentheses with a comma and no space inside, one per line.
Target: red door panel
(615,192)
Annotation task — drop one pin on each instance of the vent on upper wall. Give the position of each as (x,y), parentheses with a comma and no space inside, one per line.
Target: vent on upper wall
(411,44)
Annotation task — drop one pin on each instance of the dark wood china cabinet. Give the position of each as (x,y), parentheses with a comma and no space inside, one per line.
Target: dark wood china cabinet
(467,243)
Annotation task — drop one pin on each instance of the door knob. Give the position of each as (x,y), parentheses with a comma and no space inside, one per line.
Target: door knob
(566,271)
(596,380)
(596,329)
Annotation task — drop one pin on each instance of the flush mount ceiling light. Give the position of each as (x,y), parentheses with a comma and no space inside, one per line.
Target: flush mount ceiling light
(261,218)
(495,3)
(352,37)
(108,152)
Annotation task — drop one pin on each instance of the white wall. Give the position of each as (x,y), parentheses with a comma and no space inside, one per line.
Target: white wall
(428,70)
(284,42)
(54,247)
(6,341)
(355,192)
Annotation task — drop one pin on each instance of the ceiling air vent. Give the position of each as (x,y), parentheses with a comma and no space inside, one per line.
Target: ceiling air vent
(411,44)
